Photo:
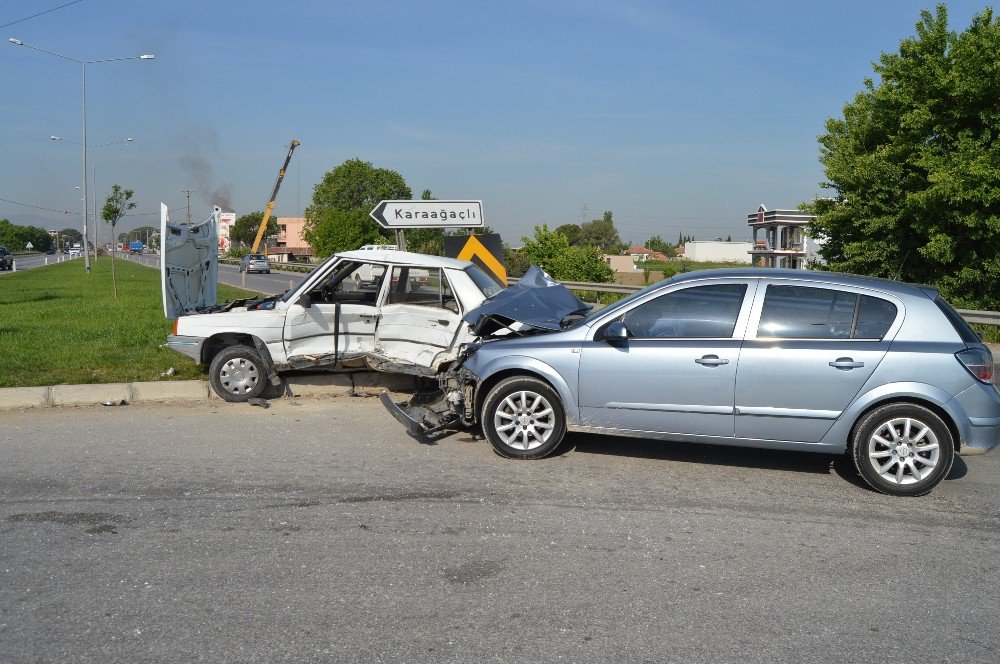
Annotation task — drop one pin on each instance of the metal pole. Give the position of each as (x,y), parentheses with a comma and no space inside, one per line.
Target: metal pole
(86,257)
(94,167)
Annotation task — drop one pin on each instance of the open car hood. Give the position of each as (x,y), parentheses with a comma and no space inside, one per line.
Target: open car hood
(537,302)
(189,265)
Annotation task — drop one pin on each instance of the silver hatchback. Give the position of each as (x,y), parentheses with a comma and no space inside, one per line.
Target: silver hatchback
(887,372)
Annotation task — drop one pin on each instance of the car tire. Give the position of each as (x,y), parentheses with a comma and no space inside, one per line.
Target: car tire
(902,449)
(267,272)
(523,418)
(238,373)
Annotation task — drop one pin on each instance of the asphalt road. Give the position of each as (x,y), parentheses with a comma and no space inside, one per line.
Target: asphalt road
(268,284)
(36,260)
(318,531)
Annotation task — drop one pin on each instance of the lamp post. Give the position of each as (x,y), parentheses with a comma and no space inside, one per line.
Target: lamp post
(83,64)
(93,172)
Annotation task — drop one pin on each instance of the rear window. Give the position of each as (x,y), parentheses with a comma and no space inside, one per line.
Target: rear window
(802,312)
(965,331)
(257,257)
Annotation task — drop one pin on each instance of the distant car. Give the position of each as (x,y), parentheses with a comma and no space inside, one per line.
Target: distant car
(255,263)
(6,260)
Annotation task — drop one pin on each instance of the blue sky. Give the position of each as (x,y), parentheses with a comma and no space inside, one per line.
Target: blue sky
(677,116)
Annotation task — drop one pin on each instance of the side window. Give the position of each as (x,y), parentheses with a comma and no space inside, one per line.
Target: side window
(875,317)
(802,312)
(421,286)
(706,312)
(351,282)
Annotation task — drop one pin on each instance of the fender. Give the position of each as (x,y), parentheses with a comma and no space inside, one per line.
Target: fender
(524,364)
(841,430)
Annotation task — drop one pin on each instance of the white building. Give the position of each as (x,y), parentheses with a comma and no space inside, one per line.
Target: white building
(779,238)
(722,252)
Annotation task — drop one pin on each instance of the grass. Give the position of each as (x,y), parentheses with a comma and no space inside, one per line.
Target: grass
(59,325)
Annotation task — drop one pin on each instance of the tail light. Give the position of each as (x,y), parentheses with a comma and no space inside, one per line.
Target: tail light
(979,362)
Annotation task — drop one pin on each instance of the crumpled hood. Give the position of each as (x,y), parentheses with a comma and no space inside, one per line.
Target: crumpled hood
(537,301)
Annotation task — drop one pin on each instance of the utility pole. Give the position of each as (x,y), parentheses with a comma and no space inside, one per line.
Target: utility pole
(187,192)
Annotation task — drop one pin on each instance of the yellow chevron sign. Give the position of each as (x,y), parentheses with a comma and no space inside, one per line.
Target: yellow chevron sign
(474,249)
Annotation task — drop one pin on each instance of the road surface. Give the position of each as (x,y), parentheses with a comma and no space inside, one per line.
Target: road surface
(268,284)
(317,531)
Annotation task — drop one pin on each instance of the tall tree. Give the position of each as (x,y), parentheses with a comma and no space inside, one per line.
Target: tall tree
(551,251)
(352,187)
(656,243)
(601,233)
(244,231)
(572,233)
(913,165)
(117,204)
(17,238)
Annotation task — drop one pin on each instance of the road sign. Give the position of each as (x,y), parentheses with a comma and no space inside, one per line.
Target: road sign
(29,246)
(428,214)
(485,251)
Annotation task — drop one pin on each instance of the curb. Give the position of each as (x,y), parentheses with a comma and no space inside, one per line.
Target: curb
(361,383)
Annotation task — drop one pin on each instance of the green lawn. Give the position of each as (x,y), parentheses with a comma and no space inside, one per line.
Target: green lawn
(59,325)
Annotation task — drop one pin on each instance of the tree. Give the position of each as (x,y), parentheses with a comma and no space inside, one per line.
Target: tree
(656,243)
(116,206)
(425,240)
(354,186)
(17,238)
(913,165)
(601,233)
(551,251)
(244,231)
(572,233)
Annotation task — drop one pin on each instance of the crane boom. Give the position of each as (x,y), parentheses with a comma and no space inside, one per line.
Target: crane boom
(274,195)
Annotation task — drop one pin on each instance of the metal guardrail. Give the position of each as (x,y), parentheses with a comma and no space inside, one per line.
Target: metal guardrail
(971,315)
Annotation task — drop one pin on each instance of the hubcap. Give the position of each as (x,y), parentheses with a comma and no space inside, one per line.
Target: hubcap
(903,450)
(239,375)
(524,420)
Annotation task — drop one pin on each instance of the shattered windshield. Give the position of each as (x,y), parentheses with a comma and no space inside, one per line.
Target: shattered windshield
(483,282)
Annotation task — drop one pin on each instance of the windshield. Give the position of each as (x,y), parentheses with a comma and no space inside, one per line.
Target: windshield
(483,282)
(257,257)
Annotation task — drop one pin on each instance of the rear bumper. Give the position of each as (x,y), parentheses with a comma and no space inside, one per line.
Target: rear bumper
(984,435)
(981,406)
(190,346)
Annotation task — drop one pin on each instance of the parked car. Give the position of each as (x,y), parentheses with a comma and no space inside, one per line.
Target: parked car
(359,308)
(6,259)
(887,372)
(255,263)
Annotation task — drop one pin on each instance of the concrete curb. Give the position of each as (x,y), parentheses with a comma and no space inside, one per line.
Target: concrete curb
(362,383)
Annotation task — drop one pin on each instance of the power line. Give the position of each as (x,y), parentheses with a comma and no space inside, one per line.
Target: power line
(37,207)
(40,13)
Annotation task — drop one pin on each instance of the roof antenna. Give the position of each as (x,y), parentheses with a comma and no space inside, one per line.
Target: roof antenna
(899,271)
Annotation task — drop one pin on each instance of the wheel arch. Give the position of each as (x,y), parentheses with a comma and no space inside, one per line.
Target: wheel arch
(508,367)
(215,343)
(933,398)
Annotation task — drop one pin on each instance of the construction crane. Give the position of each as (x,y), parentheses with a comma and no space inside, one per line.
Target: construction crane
(274,194)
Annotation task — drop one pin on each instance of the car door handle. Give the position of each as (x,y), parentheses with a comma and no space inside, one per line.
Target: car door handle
(846,363)
(711,361)
(443,321)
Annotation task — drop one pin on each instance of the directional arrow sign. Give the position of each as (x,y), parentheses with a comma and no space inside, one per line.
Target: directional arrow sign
(428,214)
(29,246)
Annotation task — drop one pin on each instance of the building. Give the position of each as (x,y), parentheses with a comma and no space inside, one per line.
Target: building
(622,264)
(779,238)
(290,237)
(718,251)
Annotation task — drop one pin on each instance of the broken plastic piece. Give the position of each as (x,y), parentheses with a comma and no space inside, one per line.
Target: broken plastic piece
(256,401)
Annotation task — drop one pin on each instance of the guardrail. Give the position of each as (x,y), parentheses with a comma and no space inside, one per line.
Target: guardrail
(971,315)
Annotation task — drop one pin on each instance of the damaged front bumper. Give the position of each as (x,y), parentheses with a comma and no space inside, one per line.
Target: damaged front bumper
(190,346)
(452,406)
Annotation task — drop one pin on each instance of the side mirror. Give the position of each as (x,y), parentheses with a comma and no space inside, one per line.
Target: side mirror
(305,300)
(616,332)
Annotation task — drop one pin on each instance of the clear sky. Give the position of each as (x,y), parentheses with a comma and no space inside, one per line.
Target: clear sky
(676,116)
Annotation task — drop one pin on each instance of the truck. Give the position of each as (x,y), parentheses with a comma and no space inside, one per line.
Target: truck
(135,247)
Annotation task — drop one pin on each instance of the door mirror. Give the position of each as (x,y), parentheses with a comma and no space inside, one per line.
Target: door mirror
(616,332)
(305,300)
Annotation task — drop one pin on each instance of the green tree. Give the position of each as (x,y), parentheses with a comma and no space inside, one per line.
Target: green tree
(601,233)
(552,252)
(116,206)
(244,231)
(572,233)
(352,187)
(656,243)
(913,164)
(16,238)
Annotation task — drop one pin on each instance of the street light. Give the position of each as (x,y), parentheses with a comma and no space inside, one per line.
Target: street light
(93,171)
(83,64)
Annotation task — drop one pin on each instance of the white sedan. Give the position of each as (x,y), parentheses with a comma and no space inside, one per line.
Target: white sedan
(390,310)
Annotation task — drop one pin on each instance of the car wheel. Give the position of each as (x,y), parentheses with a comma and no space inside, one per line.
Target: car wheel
(523,418)
(903,449)
(237,373)
(267,272)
